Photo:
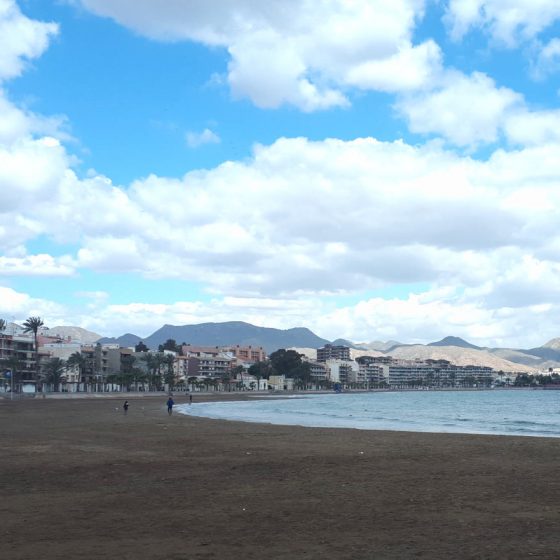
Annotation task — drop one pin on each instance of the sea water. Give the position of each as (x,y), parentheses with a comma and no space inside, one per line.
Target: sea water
(506,412)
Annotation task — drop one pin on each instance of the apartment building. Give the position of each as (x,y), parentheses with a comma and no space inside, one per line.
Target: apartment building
(181,368)
(247,354)
(330,352)
(241,354)
(191,351)
(319,372)
(372,372)
(17,352)
(208,366)
(344,371)
(436,373)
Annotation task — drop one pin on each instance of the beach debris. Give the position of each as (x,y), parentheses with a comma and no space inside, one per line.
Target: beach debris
(361,452)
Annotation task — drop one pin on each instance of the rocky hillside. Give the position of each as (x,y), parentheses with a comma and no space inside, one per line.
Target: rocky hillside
(454,354)
(77,334)
(459,356)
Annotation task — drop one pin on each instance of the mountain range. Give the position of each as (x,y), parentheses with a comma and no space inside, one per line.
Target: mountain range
(223,334)
(454,349)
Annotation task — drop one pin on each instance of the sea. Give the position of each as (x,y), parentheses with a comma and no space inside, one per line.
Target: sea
(516,412)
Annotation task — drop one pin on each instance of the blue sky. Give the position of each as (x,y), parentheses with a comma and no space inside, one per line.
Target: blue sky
(371,170)
(138,98)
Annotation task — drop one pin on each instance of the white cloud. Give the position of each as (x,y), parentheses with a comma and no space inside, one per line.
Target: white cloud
(21,39)
(98,295)
(409,69)
(508,21)
(548,59)
(36,265)
(428,316)
(470,111)
(301,52)
(370,214)
(466,110)
(537,128)
(20,306)
(196,139)
(419,317)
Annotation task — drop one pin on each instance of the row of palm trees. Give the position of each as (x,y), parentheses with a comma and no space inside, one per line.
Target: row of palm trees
(157,373)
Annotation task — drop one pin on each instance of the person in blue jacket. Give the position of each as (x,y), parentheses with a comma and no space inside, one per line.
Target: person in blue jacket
(170,404)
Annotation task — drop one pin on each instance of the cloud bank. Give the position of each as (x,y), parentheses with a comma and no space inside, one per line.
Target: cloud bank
(277,237)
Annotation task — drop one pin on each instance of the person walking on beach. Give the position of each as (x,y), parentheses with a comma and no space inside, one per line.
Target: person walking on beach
(125,407)
(170,404)
(190,399)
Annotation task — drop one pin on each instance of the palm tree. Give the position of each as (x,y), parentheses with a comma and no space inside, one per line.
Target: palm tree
(79,360)
(192,381)
(54,372)
(3,325)
(138,376)
(226,381)
(452,376)
(169,377)
(33,324)
(153,364)
(127,370)
(14,366)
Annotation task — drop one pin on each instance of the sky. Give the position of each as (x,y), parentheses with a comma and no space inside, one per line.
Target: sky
(369,169)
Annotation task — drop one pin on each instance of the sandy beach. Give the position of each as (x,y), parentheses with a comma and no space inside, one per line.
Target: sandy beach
(81,480)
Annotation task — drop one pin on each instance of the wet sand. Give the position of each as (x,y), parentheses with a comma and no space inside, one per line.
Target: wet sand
(81,480)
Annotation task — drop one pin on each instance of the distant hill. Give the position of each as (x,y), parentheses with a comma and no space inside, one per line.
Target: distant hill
(454,341)
(517,356)
(76,334)
(382,346)
(554,344)
(548,354)
(459,356)
(344,342)
(452,348)
(126,340)
(235,332)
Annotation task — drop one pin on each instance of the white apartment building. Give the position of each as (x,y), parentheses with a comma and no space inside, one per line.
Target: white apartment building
(344,371)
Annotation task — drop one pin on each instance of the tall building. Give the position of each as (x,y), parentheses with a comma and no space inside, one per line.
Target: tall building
(16,352)
(330,352)
(208,366)
(247,354)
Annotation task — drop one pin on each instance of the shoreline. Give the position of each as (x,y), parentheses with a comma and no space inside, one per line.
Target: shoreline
(309,416)
(278,394)
(83,480)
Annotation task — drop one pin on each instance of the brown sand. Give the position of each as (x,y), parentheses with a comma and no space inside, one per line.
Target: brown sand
(81,480)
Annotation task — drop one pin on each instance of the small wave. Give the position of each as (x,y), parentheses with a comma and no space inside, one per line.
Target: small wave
(525,423)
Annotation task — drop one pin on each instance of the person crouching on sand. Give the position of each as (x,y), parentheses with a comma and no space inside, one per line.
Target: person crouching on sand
(170,404)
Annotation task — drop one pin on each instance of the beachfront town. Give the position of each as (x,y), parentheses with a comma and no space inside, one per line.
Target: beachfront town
(32,361)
